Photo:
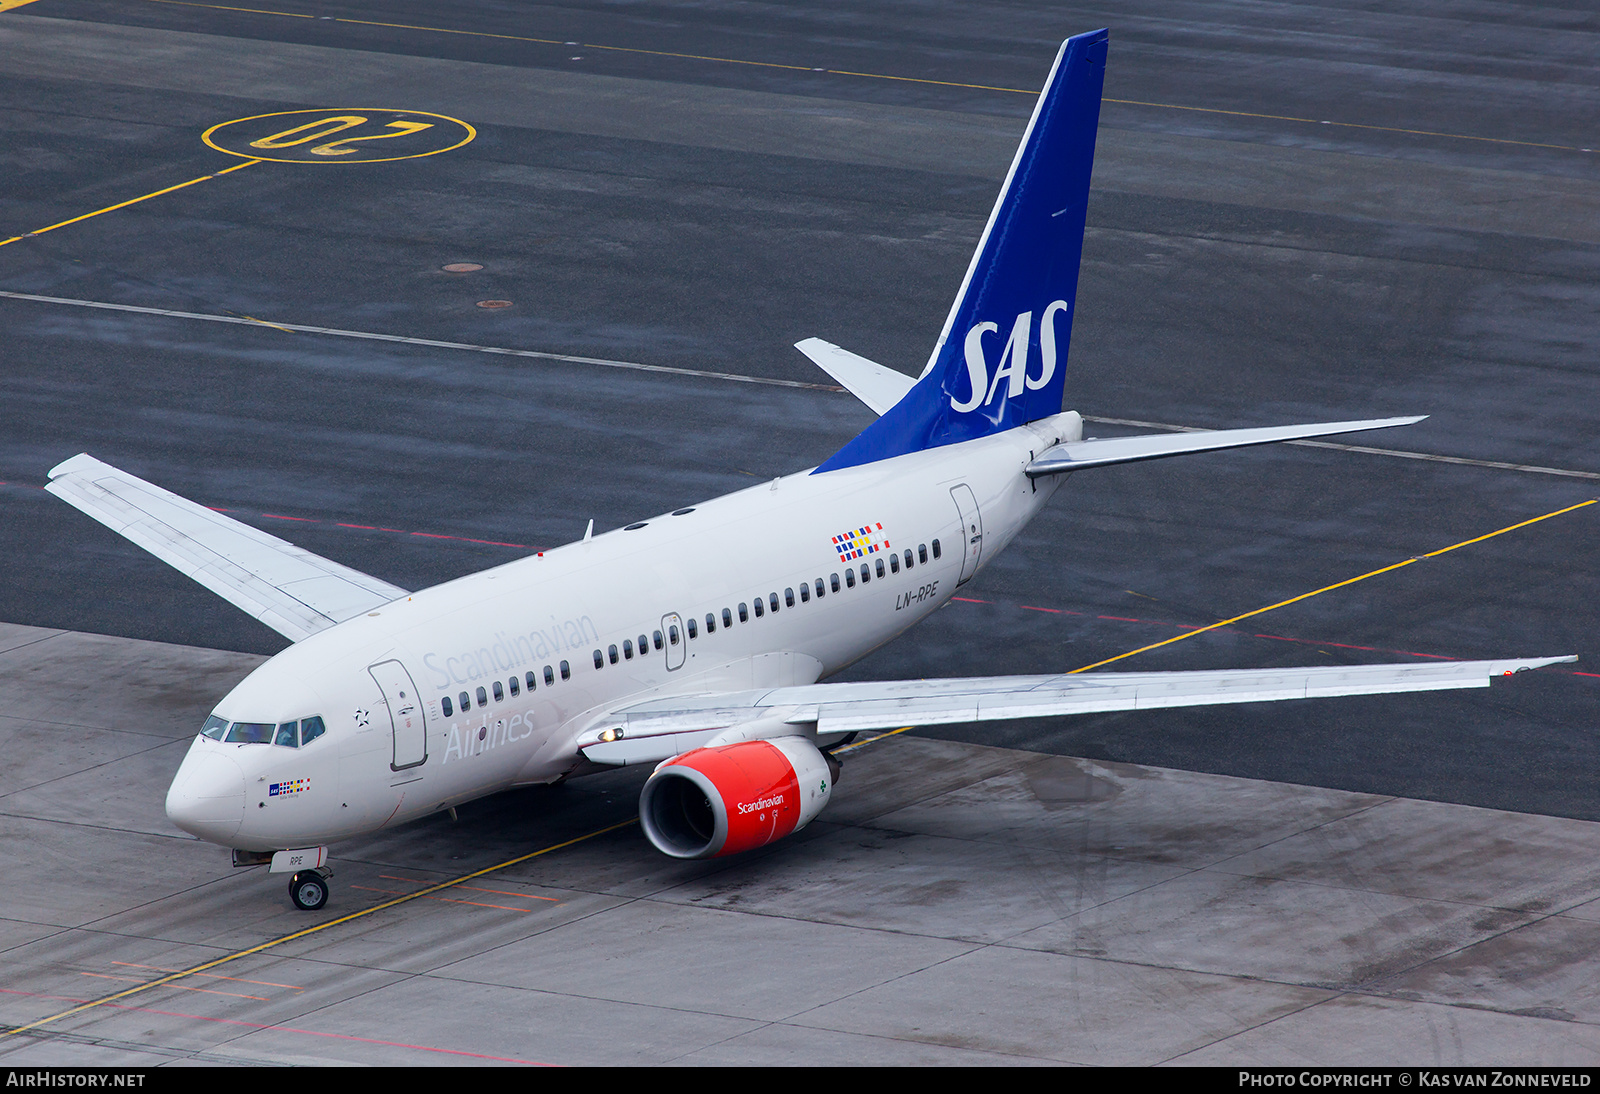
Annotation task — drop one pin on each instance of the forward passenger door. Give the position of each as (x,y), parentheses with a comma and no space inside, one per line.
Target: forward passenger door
(406,719)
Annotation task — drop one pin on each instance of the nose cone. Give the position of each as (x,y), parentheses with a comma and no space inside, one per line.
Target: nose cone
(207,795)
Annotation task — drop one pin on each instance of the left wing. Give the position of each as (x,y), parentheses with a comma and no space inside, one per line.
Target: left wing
(658,729)
(288,588)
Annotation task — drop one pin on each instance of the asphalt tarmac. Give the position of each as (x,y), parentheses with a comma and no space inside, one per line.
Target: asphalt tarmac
(955,905)
(1299,214)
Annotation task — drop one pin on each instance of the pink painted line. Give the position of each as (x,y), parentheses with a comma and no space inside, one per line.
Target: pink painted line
(969,600)
(1347,646)
(430,535)
(287,1029)
(1125,619)
(363,527)
(493,542)
(303,520)
(1052,611)
(1341,645)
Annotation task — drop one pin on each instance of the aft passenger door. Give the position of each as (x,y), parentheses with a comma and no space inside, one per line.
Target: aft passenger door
(406,718)
(971,531)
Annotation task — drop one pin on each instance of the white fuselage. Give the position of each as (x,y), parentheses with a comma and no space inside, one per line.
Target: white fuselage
(391,753)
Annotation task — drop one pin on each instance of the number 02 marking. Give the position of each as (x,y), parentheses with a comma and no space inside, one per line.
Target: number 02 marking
(319,129)
(313,136)
(402,128)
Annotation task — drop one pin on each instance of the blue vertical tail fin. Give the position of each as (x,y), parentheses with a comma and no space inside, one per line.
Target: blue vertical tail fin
(1000,361)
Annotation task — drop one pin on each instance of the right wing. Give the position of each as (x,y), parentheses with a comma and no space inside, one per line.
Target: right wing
(291,590)
(658,729)
(879,387)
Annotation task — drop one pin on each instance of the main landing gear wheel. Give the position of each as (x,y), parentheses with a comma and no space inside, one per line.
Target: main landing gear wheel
(308,890)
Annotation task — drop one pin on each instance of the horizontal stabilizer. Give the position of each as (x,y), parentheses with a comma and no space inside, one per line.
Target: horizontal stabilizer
(1077,455)
(291,590)
(879,387)
(661,728)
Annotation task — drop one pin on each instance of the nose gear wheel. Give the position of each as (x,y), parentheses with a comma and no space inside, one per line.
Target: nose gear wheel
(308,890)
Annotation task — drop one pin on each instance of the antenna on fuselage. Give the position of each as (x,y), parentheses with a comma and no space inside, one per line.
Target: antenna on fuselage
(588,533)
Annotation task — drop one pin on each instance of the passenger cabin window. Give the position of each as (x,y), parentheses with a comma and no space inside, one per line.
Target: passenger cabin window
(215,728)
(833,581)
(805,592)
(533,681)
(894,564)
(866,573)
(760,608)
(711,623)
(611,651)
(774,600)
(880,567)
(483,698)
(692,632)
(849,580)
(499,692)
(627,649)
(449,710)
(310,729)
(744,614)
(599,659)
(908,558)
(549,676)
(936,553)
(727,617)
(466,704)
(288,734)
(566,671)
(672,631)
(516,688)
(922,553)
(657,637)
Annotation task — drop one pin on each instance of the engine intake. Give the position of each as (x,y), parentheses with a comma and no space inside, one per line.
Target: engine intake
(732,798)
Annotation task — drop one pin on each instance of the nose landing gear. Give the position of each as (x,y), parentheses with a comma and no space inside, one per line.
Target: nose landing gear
(309,890)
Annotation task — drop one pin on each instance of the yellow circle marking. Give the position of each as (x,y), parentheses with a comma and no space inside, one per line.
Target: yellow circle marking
(338,136)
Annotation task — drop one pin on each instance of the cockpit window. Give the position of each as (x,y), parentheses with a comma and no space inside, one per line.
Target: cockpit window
(288,734)
(250,733)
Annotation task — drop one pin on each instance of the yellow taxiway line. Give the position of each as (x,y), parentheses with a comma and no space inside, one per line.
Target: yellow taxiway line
(1339,584)
(130,201)
(206,966)
(879,76)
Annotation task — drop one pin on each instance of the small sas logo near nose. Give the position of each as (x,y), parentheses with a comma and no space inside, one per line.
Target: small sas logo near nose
(1012,365)
(297,786)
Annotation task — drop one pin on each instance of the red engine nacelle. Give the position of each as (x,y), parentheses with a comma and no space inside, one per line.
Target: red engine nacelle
(732,798)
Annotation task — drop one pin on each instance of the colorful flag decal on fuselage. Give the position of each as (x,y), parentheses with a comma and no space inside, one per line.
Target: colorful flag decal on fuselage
(867,540)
